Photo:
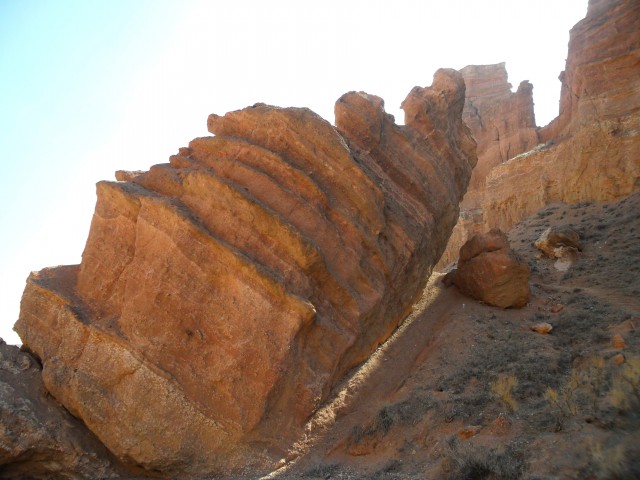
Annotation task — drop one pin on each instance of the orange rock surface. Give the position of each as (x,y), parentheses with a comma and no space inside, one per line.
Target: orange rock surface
(223,295)
(502,122)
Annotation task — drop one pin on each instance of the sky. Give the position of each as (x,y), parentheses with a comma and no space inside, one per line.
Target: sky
(88,87)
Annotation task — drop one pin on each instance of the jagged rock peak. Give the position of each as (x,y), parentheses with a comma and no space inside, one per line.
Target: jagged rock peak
(486,80)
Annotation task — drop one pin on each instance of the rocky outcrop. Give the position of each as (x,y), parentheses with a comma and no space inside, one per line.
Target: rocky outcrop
(39,439)
(590,152)
(503,124)
(489,271)
(562,243)
(222,296)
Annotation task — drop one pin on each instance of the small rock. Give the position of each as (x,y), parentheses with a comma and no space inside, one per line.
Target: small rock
(617,341)
(557,308)
(500,426)
(24,362)
(618,359)
(469,431)
(566,256)
(543,328)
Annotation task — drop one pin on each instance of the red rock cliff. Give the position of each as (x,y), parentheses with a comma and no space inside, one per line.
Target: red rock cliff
(221,296)
(502,122)
(590,152)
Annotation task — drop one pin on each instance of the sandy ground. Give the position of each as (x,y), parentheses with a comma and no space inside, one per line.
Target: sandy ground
(465,390)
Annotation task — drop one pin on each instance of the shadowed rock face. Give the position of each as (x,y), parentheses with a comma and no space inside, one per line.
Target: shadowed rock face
(222,296)
(38,439)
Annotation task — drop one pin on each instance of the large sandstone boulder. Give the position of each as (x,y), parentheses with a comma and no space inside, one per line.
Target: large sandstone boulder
(223,295)
(489,271)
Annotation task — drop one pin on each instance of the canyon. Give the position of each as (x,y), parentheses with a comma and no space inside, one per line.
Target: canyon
(256,307)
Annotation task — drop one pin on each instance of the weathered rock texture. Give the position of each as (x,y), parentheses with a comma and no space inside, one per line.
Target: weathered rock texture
(38,438)
(590,152)
(489,271)
(222,296)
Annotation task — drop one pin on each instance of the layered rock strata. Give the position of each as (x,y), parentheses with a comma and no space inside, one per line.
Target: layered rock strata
(221,296)
(502,122)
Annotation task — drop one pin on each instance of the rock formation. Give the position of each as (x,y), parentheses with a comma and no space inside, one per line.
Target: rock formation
(554,239)
(590,152)
(489,271)
(222,296)
(503,124)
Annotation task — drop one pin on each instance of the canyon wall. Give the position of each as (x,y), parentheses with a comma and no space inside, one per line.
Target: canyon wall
(590,152)
(223,295)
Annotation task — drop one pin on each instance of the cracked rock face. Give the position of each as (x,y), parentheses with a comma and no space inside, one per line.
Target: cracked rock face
(221,296)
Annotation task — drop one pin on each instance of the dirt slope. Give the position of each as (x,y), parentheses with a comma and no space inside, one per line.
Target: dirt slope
(465,390)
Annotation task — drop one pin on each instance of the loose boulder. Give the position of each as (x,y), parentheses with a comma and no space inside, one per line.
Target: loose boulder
(489,271)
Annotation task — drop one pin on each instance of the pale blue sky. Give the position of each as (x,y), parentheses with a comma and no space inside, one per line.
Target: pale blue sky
(91,86)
